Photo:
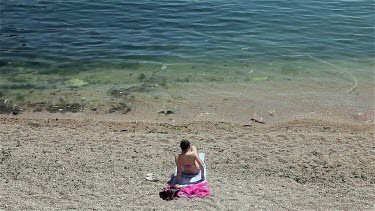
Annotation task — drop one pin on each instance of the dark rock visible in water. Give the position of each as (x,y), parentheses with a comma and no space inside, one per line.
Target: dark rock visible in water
(65,107)
(166,112)
(121,107)
(126,91)
(141,77)
(1,94)
(6,107)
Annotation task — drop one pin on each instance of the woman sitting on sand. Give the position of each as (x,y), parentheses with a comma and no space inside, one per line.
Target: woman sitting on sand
(188,162)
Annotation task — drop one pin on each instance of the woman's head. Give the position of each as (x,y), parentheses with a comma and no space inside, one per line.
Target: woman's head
(185,144)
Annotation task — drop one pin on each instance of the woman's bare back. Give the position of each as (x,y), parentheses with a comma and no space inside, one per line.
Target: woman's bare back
(188,161)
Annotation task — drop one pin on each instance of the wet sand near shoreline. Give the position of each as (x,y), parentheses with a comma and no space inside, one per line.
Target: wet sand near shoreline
(61,161)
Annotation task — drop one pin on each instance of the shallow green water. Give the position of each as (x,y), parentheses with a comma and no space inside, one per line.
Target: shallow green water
(75,51)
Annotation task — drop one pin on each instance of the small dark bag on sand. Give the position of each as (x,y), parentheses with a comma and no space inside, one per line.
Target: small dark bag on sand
(169,193)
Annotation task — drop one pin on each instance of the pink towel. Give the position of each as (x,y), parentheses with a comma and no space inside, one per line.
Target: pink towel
(195,190)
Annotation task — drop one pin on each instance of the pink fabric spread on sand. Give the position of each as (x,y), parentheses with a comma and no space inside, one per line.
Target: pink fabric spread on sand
(195,190)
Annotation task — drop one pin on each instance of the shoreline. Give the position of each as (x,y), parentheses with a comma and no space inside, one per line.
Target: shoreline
(239,110)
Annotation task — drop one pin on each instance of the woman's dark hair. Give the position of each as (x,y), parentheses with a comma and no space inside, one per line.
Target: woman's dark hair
(185,144)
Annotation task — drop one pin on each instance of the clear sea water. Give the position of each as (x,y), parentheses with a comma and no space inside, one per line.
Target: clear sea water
(44,45)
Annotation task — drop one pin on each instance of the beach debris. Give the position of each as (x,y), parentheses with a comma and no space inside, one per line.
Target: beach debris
(139,88)
(152,177)
(271,112)
(65,107)
(166,112)
(258,120)
(164,67)
(8,108)
(6,100)
(359,115)
(75,82)
(126,91)
(204,114)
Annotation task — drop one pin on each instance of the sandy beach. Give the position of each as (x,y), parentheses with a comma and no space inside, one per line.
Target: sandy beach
(69,162)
